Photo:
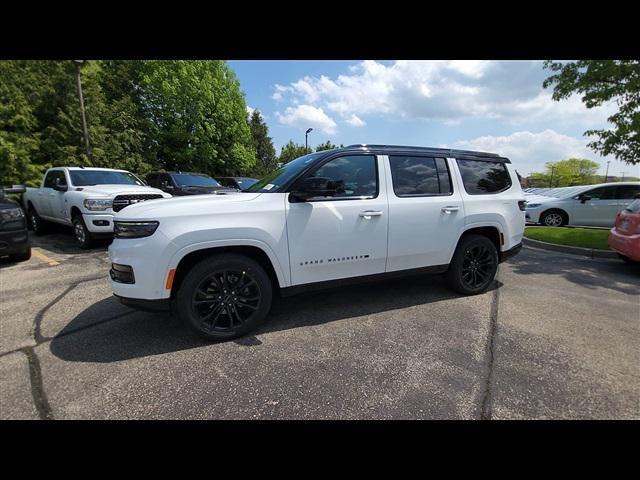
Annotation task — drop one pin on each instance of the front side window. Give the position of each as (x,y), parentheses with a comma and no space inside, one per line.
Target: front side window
(419,176)
(353,176)
(602,193)
(52,176)
(482,177)
(85,178)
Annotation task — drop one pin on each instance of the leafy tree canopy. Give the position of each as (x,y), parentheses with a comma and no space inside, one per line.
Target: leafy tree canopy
(600,81)
(566,173)
(266,160)
(291,151)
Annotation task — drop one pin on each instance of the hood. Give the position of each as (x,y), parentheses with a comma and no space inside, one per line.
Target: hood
(181,206)
(113,190)
(6,202)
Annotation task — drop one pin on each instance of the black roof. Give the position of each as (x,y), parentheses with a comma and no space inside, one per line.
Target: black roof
(438,152)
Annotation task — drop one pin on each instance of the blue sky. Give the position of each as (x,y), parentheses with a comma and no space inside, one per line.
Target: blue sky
(496,106)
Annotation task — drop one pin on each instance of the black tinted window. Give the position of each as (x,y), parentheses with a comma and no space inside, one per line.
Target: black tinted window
(51,177)
(151,179)
(602,193)
(627,192)
(419,176)
(354,176)
(481,177)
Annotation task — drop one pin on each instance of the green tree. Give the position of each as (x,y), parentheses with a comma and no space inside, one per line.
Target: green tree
(326,146)
(566,173)
(266,160)
(291,151)
(197,115)
(600,81)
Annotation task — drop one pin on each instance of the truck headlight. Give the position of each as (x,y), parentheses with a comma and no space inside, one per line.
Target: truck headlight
(134,229)
(98,203)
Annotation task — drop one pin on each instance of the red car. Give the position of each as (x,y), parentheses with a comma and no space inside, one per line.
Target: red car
(624,237)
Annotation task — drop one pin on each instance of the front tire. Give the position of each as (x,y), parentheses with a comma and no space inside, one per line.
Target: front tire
(83,236)
(21,257)
(224,296)
(474,265)
(554,218)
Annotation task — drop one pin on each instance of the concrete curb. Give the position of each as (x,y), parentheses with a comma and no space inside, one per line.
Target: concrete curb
(585,252)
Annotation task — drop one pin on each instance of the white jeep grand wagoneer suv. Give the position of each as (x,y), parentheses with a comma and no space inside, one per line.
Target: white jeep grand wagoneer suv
(354,213)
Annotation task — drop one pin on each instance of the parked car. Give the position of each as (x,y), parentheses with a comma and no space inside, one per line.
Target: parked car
(185,183)
(86,199)
(240,183)
(624,237)
(590,205)
(14,235)
(353,213)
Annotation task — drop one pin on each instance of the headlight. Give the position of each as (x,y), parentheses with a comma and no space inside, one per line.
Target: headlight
(11,214)
(134,229)
(533,205)
(98,203)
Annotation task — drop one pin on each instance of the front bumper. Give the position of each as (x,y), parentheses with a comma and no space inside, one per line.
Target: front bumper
(627,245)
(510,253)
(99,222)
(532,216)
(161,305)
(14,242)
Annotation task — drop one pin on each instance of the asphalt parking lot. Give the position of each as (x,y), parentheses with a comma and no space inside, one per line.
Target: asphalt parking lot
(556,337)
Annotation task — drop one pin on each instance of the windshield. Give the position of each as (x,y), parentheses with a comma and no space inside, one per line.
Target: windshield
(190,180)
(276,179)
(245,182)
(85,178)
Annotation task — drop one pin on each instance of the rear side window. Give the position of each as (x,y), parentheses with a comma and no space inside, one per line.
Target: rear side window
(419,176)
(627,192)
(482,177)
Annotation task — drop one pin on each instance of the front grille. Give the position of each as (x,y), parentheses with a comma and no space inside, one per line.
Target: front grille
(122,201)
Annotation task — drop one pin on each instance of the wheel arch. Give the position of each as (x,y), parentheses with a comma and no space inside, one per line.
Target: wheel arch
(265,259)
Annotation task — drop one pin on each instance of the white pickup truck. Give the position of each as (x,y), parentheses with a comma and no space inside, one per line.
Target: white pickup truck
(86,199)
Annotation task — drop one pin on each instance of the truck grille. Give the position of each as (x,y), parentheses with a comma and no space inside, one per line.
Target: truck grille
(122,201)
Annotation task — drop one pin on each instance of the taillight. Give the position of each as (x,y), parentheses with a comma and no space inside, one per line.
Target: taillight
(522,205)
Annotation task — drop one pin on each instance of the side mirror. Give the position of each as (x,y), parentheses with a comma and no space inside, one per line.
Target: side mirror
(15,189)
(584,198)
(312,187)
(59,186)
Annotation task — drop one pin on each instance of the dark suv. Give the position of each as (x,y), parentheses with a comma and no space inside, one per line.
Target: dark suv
(185,183)
(240,183)
(14,238)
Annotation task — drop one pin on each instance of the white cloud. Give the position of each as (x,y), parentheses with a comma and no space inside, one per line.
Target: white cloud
(307,116)
(442,90)
(355,121)
(530,151)
(250,110)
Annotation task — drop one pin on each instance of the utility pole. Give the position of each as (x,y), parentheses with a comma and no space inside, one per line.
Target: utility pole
(551,179)
(606,175)
(622,173)
(85,130)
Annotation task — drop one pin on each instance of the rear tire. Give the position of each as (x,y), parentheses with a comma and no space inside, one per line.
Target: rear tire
(37,224)
(224,296)
(474,265)
(83,236)
(554,218)
(627,259)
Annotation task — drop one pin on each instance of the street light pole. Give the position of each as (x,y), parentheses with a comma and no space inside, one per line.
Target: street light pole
(306,148)
(85,130)
(551,179)
(606,175)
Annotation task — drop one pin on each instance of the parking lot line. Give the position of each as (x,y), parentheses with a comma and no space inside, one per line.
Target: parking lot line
(41,256)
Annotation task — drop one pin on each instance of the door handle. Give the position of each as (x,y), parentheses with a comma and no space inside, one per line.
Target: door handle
(450,209)
(367,214)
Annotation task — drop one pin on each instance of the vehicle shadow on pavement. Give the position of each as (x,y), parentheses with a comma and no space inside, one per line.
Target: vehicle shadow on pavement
(97,335)
(612,274)
(59,239)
